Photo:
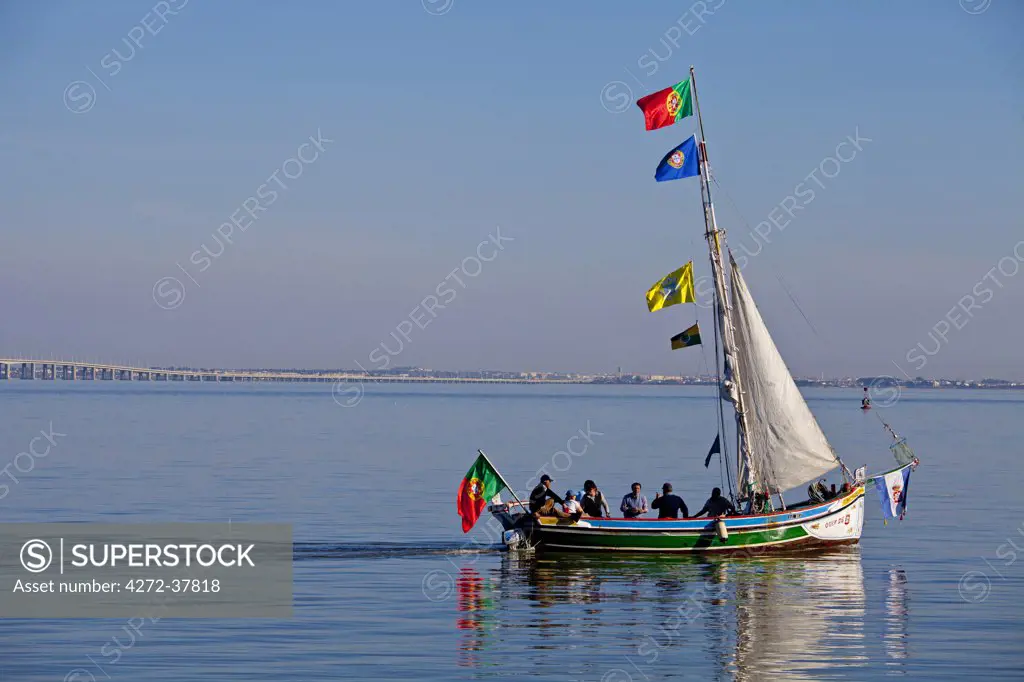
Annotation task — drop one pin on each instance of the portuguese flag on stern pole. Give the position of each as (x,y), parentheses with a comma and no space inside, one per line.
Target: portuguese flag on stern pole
(665,107)
(480,484)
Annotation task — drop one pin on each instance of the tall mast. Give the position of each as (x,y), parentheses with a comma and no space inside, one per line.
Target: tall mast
(731,386)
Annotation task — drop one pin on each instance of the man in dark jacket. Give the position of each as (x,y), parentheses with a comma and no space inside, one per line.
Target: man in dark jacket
(543,499)
(669,505)
(716,505)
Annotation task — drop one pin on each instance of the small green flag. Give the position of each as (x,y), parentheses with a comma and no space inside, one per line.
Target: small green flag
(690,337)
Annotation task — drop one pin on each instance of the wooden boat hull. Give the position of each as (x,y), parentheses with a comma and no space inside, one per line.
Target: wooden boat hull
(828,524)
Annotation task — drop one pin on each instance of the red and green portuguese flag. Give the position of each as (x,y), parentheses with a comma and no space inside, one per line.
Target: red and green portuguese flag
(665,107)
(481,483)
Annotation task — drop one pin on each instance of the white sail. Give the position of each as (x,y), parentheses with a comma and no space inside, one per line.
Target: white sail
(787,446)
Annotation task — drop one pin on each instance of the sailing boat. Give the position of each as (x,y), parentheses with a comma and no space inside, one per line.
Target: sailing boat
(780,445)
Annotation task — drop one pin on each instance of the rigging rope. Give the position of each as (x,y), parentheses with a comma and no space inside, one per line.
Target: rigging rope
(887,427)
(723,455)
(746,224)
(797,305)
(707,371)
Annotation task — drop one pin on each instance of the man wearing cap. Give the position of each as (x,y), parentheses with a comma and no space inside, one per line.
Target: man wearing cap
(669,505)
(572,505)
(543,499)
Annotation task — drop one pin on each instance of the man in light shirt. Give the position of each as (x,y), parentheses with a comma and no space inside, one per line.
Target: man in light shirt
(634,504)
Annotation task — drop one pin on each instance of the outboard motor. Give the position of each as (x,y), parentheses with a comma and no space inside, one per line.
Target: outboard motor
(515,539)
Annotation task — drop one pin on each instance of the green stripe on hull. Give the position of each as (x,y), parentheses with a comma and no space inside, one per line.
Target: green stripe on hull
(583,539)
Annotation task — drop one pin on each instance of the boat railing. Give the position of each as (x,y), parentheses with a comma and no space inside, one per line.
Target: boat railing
(510,507)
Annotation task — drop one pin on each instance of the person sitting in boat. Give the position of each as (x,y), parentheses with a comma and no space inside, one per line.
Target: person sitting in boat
(865,402)
(593,502)
(669,505)
(634,504)
(717,505)
(571,506)
(817,492)
(543,500)
(546,502)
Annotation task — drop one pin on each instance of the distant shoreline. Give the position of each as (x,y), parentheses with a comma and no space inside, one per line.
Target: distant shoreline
(536,382)
(427,375)
(12,369)
(466,381)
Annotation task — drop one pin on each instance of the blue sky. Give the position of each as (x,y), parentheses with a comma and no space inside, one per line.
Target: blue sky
(450,119)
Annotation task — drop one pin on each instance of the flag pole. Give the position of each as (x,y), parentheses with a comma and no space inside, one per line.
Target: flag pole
(502,478)
(747,475)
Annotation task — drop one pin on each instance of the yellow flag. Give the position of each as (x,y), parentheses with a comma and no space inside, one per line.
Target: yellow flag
(675,287)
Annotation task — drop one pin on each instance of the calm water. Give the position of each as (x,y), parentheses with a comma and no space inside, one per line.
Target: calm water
(388,588)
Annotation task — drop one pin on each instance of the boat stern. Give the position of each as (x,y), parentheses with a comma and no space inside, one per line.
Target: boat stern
(516,521)
(510,515)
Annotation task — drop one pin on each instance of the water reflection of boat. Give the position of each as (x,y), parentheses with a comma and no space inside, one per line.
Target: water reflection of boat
(896,615)
(782,617)
(794,617)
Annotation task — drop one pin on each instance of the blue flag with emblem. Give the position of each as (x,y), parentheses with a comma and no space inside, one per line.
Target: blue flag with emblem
(681,162)
(892,490)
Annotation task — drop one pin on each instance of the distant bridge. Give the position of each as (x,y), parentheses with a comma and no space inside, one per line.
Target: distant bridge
(51,370)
